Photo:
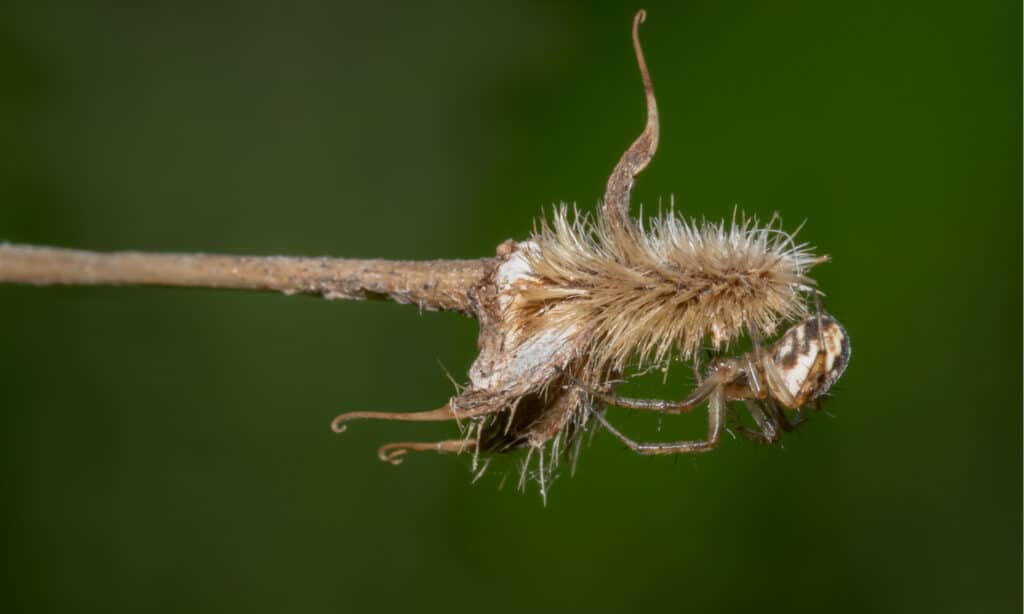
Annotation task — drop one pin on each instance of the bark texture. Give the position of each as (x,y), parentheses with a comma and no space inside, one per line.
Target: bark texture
(430,284)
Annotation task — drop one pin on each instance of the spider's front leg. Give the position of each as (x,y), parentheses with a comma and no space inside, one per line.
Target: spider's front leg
(703,391)
(766,421)
(716,421)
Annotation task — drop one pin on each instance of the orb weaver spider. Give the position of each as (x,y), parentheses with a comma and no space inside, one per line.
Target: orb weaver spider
(797,370)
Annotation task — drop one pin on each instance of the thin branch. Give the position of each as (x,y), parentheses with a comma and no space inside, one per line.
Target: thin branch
(431,284)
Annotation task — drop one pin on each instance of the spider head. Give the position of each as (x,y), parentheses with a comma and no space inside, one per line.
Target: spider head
(810,361)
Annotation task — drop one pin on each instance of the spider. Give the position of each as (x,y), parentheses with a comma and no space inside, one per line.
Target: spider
(797,370)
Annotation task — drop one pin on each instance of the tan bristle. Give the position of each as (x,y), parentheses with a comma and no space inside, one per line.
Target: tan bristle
(672,283)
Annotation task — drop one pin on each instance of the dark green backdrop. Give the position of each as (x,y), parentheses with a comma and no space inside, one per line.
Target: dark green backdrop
(169,450)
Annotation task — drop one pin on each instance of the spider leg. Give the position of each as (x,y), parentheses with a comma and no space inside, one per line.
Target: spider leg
(810,384)
(753,360)
(393,452)
(819,361)
(747,432)
(766,420)
(670,407)
(716,421)
(445,412)
(783,419)
(734,426)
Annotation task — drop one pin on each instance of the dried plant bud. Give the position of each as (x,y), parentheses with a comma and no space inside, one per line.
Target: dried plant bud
(674,284)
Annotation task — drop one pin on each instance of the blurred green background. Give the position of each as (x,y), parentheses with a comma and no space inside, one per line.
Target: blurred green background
(169,450)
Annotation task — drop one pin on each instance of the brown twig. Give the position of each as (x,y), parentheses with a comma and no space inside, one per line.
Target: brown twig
(430,284)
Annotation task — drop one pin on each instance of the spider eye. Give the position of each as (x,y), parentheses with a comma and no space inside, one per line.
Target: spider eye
(797,350)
